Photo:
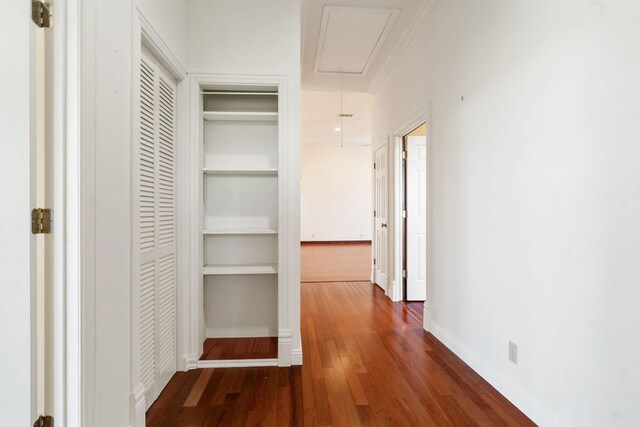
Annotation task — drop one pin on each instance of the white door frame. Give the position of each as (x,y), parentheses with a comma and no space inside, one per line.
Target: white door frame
(67,172)
(289,347)
(398,194)
(386,286)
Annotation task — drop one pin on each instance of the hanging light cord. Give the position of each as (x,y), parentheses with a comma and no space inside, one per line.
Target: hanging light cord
(341,112)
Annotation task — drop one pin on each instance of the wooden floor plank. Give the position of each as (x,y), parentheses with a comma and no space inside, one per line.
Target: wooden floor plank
(240,348)
(367,362)
(348,262)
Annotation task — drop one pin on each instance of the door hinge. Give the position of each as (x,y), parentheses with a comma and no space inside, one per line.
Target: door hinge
(374,261)
(44,421)
(404,155)
(41,14)
(404,274)
(374,165)
(404,213)
(374,214)
(41,221)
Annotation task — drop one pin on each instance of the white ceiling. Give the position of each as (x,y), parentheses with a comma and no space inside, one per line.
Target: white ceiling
(359,38)
(320,118)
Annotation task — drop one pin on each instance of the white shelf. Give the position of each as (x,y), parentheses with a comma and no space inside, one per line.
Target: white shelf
(269,171)
(231,231)
(225,270)
(239,93)
(240,116)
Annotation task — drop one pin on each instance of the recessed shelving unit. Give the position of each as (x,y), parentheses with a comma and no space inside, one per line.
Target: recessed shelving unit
(240,240)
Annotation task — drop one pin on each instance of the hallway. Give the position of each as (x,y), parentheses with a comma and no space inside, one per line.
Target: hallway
(367,362)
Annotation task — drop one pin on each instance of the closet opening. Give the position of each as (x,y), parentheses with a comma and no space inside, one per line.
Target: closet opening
(240,218)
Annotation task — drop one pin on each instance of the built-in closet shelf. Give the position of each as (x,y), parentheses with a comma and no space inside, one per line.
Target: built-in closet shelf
(232,231)
(240,116)
(269,171)
(226,270)
(238,93)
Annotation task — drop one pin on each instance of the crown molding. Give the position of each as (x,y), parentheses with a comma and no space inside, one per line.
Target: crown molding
(420,18)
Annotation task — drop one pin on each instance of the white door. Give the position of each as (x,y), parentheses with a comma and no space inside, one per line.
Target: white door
(18,290)
(381,216)
(416,218)
(155,208)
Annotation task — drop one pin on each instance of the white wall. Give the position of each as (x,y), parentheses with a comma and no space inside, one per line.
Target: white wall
(535,231)
(107,109)
(169,19)
(111,98)
(17,276)
(336,192)
(254,37)
(244,36)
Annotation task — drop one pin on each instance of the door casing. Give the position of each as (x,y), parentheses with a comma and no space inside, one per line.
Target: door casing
(397,293)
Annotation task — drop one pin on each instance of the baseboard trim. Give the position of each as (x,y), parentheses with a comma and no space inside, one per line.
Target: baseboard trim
(426,317)
(531,407)
(296,357)
(237,363)
(191,362)
(284,347)
(138,406)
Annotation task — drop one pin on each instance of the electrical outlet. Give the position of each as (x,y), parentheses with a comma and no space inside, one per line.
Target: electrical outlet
(513,352)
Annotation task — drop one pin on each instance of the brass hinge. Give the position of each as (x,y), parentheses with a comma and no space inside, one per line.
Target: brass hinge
(404,155)
(374,261)
(404,274)
(374,214)
(41,220)
(44,421)
(41,14)
(404,213)
(374,165)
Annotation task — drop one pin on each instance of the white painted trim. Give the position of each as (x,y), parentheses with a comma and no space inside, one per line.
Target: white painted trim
(136,385)
(374,279)
(422,116)
(284,347)
(190,362)
(410,34)
(392,290)
(237,363)
(530,406)
(426,317)
(397,197)
(326,13)
(288,234)
(152,40)
(183,226)
(67,369)
(87,188)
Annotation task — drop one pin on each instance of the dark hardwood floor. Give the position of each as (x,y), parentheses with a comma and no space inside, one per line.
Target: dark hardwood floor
(240,348)
(367,361)
(335,262)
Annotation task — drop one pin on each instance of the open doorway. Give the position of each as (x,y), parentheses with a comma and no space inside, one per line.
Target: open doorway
(336,192)
(414,215)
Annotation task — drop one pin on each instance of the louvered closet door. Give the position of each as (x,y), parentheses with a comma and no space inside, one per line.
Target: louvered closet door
(157,227)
